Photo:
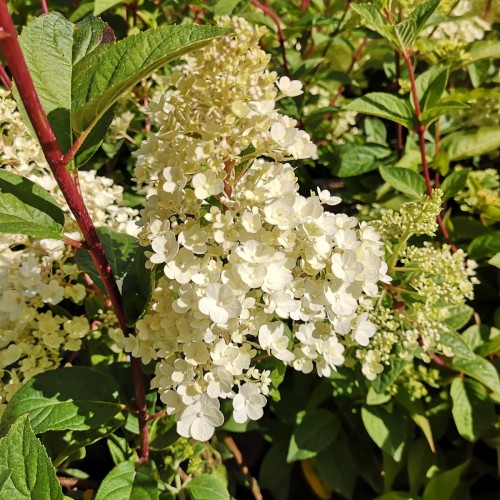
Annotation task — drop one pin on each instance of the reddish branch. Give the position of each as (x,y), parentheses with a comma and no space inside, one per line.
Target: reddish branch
(4,78)
(9,46)
(281,37)
(238,457)
(45,9)
(420,129)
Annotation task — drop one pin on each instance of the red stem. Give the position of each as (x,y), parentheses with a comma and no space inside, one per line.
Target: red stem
(9,46)
(421,140)
(45,9)
(281,38)
(4,78)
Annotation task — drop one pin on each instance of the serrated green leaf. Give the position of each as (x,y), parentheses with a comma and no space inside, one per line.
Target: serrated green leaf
(404,180)
(47,44)
(31,472)
(317,430)
(473,412)
(102,5)
(120,249)
(137,287)
(461,145)
(422,13)
(430,86)
(485,245)
(76,398)
(376,21)
(52,46)
(357,160)
(106,73)
(384,106)
(406,31)
(388,430)
(129,480)
(207,486)
(454,183)
(26,208)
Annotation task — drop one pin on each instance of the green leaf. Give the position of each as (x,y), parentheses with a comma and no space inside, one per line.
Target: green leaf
(422,13)
(52,46)
(454,183)
(485,245)
(371,14)
(388,376)
(129,480)
(31,472)
(376,21)
(102,76)
(420,460)
(384,106)
(441,109)
(404,180)
(230,7)
(163,433)
(357,160)
(458,315)
(27,208)
(337,468)
(461,145)
(88,35)
(102,5)
(388,430)
(275,472)
(47,44)
(430,86)
(207,486)
(120,249)
(473,411)
(137,287)
(495,260)
(406,31)
(445,484)
(317,430)
(76,398)
(483,49)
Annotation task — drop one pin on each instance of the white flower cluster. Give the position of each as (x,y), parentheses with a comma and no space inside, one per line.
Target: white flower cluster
(251,269)
(33,334)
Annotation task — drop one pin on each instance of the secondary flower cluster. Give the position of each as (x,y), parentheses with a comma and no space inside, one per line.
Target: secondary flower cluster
(429,281)
(251,269)
(39,282)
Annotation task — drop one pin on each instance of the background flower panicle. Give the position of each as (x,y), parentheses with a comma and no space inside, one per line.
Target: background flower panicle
(251,268)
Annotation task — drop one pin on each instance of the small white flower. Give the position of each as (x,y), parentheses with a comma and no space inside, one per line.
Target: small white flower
(248,404)
(200,419)
(219,303)
(290,88)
